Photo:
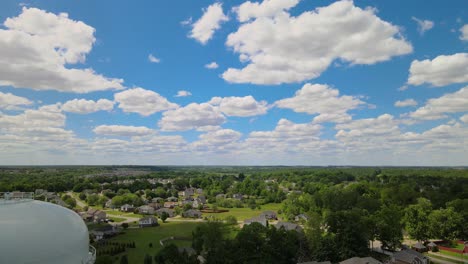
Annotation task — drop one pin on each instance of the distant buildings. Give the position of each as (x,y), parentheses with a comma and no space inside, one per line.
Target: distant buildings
(148,221)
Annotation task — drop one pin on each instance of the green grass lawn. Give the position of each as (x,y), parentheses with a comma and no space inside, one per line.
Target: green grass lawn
(453,254)
(144,236)
(244,213)
(117,213)
(116,219)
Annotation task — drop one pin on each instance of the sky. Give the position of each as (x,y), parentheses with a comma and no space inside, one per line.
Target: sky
(272,82)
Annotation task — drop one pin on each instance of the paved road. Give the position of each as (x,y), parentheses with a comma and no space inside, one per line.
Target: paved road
(78,201)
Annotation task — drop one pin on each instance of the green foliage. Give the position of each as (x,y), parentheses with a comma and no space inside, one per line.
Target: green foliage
(445,224)
(388,226)
(124,259)
(164,216)
(417,220)
(231,220)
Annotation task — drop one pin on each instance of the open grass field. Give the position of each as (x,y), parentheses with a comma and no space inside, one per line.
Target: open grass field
(144,236)
(244,213)
(117,219)
(117,213)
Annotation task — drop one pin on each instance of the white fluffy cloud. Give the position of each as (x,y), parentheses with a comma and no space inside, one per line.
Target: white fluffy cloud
(405,103)
(82,106)
(442,70)
(240,106)
(268,8)
(192,116)
(153,59)
(143,102)
(35,48)
(323,100)
(423,25)
(212,65)
(464,118)
(464,32)
(283,49)
(437,108)
(204,28)
(183,93)
(217,140)
(10,101)
(126,131)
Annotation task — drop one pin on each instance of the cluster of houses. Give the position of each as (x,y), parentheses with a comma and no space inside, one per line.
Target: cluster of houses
(405,256)
(93,215)
(158,206)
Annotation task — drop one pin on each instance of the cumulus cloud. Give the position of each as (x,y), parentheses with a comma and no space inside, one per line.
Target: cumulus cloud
(212,65)
(125,131)
(183,93)
(143,102)
(192,116)
(423,25)
(82,106)
(464,118)
(442,70)
(405,103)
(268,8)
(153,59)
(240,106)
(218,140)
(204,28)
(36,47)
(10,101)
(286,136)
(464,32)
(280,48)
(323,100)
(437,108)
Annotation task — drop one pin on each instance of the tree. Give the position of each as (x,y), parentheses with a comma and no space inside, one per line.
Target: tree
(82,196)
(164,216)
(124,259)
(125,225)
(417,219)
(388,223)
(231,220)
(445,224)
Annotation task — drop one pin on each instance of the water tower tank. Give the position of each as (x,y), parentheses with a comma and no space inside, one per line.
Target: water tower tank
(35,232)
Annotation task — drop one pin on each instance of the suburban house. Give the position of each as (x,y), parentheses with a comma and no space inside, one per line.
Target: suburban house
(109,204)
(187,201)
(172,199)
(260,219)
(148,221)
(237,196)
(358,260)
(104,232)
(409,256)
(301,217)
(155,206)
(145,209)
(289,226)
(192,214)
(419,247)
(431,245)
(157,200)
(94,215)
(168,211)
(188,192)
(127,208)
(170,204)
(269,215)
(199,201)
(199,191)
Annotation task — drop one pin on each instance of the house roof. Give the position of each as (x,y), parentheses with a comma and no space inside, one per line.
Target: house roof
(407,255)
(147,218)
(432,244)
(419,245)
(358,260)
(288,226)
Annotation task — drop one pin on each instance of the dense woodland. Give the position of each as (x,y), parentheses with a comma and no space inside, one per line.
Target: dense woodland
(346,207)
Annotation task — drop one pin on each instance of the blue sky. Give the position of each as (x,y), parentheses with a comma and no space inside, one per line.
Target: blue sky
(280,82)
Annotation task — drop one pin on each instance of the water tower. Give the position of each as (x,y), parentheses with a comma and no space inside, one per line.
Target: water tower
(35,232)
